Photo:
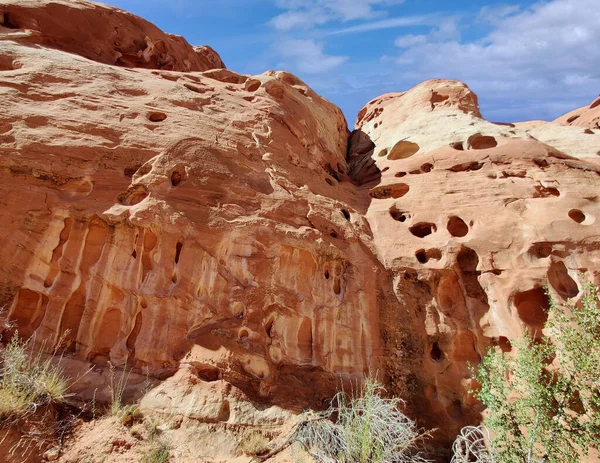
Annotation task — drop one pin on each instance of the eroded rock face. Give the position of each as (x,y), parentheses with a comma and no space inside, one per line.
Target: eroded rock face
(472,219)
(586,116)
(101,33)
(219,226)
(158,217)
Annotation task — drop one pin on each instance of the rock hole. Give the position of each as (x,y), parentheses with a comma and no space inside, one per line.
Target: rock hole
(269,327)
(328,180)
(383,152)
(595,103)
(467,167)
(561,281)
(252,85)
(176,178)
(346,214)
(243,334)
(178,248)
(436,353)
(532,307)
(156,116)
(389,191)
(423,229)
(134,254)
(208,373)
(588,132)
(467,260)
(457,146)
(424,256)
(337,286)
(143,304)
(402,150)
(437,97)
(397,214)
(540,250)
(385,169)
(541,163)
(504,344)
(400,174)
(577,215)
(174,279)
(427,167)
(572,118)
(326,274)
(8,22)
(333,234)
(134,195)
(457,227)
(481,142)
(130,170)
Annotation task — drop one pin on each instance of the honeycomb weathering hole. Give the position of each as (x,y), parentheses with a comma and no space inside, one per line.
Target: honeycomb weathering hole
(423,229)
(176,178)
(577,215)
(467,260)
(134,195)
(457,227)
(397,214)
(561,281)
(436,353)
(540,250)
(389,191)
(402,150)
(481,142)
(252,85)
(156,116)
(424,256)
(532,307)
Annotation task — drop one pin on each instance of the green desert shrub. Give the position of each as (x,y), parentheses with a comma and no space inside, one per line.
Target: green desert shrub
(543,400)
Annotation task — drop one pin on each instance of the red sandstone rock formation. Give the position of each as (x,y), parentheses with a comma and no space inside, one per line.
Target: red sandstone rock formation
(218,224)
(587,116)
(101,33)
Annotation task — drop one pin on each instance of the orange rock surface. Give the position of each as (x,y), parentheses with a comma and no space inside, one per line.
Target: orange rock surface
(170,215)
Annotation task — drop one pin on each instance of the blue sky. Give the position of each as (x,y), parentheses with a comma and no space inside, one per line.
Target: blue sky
(525,59)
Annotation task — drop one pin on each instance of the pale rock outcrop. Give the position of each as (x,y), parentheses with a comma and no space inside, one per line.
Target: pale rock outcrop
(586,116)
(472,219)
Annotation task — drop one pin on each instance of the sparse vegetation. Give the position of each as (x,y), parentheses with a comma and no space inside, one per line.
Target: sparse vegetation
(253,443)
(544,400)
(117,388)
(366,428)
(28,380)
(158,453)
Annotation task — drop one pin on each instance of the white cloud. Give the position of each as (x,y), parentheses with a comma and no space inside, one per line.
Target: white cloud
(493,14)
(309,13)
(546,53)
(410,40)
(306,56)
(404,21)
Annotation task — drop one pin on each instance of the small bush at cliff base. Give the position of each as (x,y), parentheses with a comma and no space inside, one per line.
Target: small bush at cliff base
(365,429)
(27,380)
(544,401)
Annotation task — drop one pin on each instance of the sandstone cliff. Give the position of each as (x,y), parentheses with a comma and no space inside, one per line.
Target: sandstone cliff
(179,218)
